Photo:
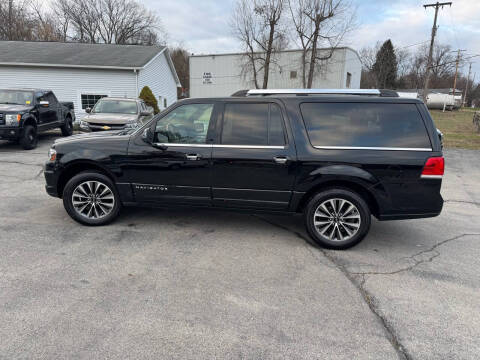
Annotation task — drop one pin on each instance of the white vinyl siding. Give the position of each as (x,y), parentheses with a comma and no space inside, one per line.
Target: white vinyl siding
(158,76)
(70,84)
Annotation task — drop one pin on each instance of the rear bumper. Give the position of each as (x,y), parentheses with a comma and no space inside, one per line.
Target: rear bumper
(434,210)
(407,216)
(9,132)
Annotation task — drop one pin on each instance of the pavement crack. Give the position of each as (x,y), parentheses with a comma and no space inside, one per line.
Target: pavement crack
(462,202)
(416,257)
(358,281)
(39,173)
(19,163)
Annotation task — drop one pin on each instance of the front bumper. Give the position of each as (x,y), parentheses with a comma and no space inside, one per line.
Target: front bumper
(51,179)
(9,132)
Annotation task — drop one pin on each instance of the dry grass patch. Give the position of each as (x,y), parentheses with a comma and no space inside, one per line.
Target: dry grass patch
(458,128)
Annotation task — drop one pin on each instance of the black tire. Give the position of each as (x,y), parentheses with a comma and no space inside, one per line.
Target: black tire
(352,230)
(67,128)
(29,138)
(82,178)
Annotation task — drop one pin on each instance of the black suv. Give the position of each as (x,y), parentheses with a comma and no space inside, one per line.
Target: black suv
(336,158)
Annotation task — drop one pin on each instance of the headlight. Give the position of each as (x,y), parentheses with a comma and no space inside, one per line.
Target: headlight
(12,119)
(52,154)
(84,125)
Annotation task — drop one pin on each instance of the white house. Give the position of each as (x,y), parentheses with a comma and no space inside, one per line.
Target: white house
(224,74)
(83,73)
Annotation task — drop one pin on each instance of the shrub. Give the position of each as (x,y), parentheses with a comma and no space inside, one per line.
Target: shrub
(147,96)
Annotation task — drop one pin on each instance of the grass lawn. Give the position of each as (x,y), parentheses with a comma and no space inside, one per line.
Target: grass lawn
(457,128)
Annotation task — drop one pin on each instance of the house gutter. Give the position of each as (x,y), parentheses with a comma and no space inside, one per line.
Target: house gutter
(71,66)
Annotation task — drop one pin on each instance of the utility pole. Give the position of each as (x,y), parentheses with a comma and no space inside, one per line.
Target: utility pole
(437,5)
(466,86)
(456,70)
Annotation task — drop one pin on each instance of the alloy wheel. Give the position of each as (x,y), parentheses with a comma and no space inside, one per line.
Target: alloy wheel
(337,219)
(93,199)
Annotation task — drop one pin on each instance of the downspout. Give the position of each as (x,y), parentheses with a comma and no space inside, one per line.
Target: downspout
(136,82)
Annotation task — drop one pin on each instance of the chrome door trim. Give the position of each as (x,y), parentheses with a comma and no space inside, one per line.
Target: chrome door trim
(183,145)
(248,146)
(370,148)
(221,146)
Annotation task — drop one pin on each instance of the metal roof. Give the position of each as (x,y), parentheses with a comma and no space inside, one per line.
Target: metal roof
(56,54)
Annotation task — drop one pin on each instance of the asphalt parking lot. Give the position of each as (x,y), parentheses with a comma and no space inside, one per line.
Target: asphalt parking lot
(197,284)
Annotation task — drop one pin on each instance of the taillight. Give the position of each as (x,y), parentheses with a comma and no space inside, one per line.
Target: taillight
(434,168)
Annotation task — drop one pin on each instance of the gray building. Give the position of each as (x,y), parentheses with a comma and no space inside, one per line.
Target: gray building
(83,73)
(224,74)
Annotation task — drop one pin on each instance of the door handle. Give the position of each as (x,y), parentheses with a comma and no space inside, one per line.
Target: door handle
(193,157)
(282,160)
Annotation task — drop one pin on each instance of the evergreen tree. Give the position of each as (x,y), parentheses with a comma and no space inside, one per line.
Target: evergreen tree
(147,96)
(385,67)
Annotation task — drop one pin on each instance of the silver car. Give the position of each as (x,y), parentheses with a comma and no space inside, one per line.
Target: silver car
(111,113)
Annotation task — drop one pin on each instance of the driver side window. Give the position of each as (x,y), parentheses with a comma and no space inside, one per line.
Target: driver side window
(187,124)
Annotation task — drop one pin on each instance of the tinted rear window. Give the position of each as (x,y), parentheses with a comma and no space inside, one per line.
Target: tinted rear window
(365,125)
(252,124)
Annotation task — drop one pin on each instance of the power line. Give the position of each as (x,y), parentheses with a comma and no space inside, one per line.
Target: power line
(437,5)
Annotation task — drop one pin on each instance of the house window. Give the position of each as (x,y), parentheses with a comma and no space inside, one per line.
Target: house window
(293,74)
(89,100)
(349,80)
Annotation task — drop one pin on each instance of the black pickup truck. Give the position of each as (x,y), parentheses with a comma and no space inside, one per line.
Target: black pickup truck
(26,112)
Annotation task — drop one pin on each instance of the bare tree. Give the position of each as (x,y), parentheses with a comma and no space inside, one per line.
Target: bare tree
(269,13)
(319,23)
(257,25)
(180,61)
(245,30)
(109,21)
(18,23)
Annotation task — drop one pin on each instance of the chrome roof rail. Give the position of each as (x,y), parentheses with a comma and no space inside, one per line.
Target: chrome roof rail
(300,92)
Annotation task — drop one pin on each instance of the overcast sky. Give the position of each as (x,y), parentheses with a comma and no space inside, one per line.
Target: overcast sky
(202,26)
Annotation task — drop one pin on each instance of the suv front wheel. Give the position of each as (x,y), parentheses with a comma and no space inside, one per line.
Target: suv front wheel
(337,218)
(91,199)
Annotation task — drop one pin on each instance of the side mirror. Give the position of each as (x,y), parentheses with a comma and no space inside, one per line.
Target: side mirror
(440,137)
(88,110)
(145,113)
(148,136)
(44,103)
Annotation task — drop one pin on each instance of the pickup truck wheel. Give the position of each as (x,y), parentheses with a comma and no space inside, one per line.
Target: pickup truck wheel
(337,218)
(91,198)
(28,139)
(67,128)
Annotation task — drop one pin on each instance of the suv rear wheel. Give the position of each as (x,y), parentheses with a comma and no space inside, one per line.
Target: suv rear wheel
(337,218)
(91,199)
(28,139)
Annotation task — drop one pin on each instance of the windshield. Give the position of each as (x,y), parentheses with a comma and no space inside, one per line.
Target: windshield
(16,97)
(115,107)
